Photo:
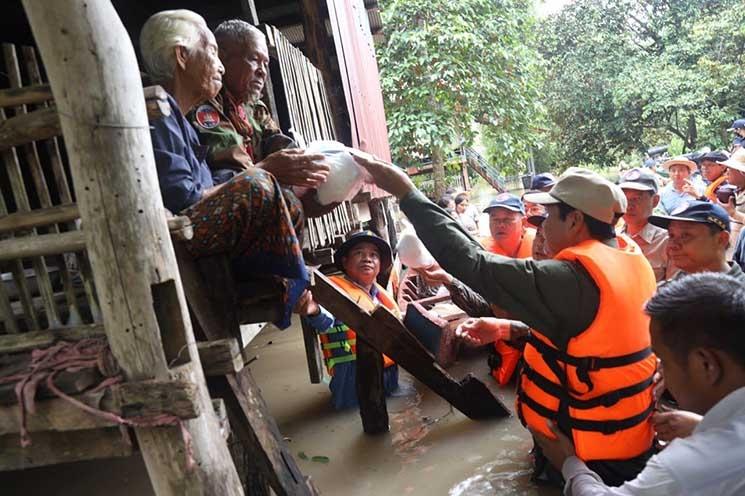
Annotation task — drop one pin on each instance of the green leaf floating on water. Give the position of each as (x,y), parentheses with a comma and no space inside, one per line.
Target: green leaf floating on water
(302,455)
(320,459)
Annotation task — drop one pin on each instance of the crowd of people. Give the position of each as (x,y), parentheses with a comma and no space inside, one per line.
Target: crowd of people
(617,299)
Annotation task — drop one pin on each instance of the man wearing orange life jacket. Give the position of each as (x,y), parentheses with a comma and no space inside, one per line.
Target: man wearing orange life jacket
(361,258)
(508,236)
(589,363)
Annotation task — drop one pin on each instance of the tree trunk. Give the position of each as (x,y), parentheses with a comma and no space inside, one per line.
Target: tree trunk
(438,173)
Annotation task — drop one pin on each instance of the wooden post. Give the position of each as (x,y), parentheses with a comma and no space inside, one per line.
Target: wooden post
(96,83)
(370,389)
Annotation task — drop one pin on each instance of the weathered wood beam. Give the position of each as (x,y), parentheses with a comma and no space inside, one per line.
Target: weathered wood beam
(108,143)
(253,425)
(16,343)
(42,245)
(313,355)
(33,126)
(44,123)
(51,448)
(220,357)
(57,415)
(129,400)
(180,225)
(29,95)
(384,332)
(149,398)
(371,390)
(221,412)
(20,221)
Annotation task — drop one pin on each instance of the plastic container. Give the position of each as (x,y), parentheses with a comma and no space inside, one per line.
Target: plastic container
(345,178)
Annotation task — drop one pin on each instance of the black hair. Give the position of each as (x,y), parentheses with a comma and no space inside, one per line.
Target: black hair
(444,201)
(460,198)
(701,310)
(601,231)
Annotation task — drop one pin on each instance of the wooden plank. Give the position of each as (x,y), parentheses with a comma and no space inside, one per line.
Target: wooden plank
(30,95)
(34,126)
(154,397)
(220,357)
(42,339)
(50,448)
(57,415)
(42,245)
(385,333)
(313,355)
(20,221)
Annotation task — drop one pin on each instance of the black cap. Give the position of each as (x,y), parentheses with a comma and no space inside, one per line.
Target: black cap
(355,238)
(537,220)
(694,211)
(541,181)
(507,201)
(715,156)
(640,180)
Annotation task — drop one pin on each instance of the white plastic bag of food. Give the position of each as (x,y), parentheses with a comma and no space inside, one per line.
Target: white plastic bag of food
(412,252)
(345,178)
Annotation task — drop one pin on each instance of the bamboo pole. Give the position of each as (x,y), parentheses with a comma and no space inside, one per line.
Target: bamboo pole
(96,83)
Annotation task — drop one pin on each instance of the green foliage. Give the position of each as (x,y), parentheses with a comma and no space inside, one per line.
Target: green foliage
(452,68)
(624,75)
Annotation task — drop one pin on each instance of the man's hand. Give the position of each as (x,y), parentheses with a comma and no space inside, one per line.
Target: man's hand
(483,330)
(385,175)
(690,189)
(556,450)
(306,305)
(434,275)
(677,423)
(293,167)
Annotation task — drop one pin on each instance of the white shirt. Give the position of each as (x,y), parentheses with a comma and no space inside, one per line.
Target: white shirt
(710,462)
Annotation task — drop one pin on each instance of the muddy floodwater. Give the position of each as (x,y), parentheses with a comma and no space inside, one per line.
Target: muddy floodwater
(431,449)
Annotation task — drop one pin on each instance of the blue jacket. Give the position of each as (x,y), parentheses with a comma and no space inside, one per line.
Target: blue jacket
(183,173)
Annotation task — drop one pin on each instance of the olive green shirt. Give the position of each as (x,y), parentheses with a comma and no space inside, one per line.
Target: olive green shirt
(557,298)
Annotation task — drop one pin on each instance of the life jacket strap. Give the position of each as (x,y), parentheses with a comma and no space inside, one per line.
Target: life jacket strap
(587,364)
(607,400)
(606,427)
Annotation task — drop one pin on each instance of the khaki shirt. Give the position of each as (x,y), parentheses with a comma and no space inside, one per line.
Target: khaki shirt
(653,242)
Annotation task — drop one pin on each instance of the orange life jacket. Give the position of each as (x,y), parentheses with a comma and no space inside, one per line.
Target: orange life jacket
(339,343)
(508,360)
(600,387)
(525,250)
(711,189)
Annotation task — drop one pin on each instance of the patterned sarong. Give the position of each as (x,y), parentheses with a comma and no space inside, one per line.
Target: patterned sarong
(249,220)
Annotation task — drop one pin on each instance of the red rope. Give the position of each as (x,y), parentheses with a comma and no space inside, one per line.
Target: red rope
(91,353)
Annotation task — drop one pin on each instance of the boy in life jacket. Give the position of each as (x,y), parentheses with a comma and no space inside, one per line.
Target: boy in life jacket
(360,258)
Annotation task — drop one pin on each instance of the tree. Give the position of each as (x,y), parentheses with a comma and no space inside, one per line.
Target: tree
(623,74)
(449,68)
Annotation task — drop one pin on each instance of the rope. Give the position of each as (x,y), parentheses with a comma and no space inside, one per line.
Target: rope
(85,354)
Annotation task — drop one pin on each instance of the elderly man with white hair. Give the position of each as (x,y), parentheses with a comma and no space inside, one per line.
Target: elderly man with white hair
(245,217)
